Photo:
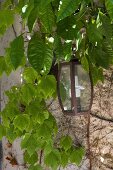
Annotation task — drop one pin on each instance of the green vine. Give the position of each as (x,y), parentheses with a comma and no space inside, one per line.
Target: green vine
(54,26)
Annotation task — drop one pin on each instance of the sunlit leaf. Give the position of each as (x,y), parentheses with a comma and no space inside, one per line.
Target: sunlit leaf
(77,155)
(52,159)
(30,159)
(44,131)
(6,19)
(64,159)
(22,122)
(66,142)
(2,131)
(27,93)
(48,85)
(30,75)
(35,167)
(29,143)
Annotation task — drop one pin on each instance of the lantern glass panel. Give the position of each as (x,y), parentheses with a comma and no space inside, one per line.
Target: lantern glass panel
(65,87)
(82,89)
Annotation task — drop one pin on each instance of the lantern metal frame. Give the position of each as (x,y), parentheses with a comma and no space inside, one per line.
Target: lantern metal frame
(72,112)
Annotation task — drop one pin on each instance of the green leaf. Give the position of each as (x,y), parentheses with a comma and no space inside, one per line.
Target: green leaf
(97,74)
(20,5)
(109,7)
(38,115)
(22,122)
(32,18)
(101,57)
(30,75)
(42,3)
(58,48)
(107,47)
(6,19)
(48,19)
(44,131)
(40,55)
(2,131)
(8,62)
(11,110)
(47,85)
(69,27)
(67,8)
(68,51)
(64,159)
(95,33)
(3,66)
(5,120)
(66,142)
(29,143)
(17,51)
(41,117)
(51,123)
(32,145)
(35,167)
(24,141)
(30,159)
(106,26)
(27,93)
(12,94)
(48,148)
(48,59)
(85,63)
(6,4)
(52,159)
(77,155)
(29,7)
(34,109)
(11,134)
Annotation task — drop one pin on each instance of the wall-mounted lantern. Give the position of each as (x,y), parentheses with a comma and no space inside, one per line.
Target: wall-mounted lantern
(75,89)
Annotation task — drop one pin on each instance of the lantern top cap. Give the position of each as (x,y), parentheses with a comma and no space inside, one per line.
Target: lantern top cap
(73,60)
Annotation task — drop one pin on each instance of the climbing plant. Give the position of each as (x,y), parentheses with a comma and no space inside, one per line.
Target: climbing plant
(50,29)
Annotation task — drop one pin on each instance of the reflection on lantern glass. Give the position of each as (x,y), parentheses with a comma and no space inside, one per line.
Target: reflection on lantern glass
(65,87)
(82,89)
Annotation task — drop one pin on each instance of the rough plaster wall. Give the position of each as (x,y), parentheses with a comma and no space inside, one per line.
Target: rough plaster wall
(101,137)
(76,127)
(13,150)
(99,132)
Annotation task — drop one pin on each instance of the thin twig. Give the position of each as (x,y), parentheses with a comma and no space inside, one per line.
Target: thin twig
(88,142)
(101,117)
(40,159)
(14,31)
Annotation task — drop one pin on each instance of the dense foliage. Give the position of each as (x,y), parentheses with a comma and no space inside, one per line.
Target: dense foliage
(54,28)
